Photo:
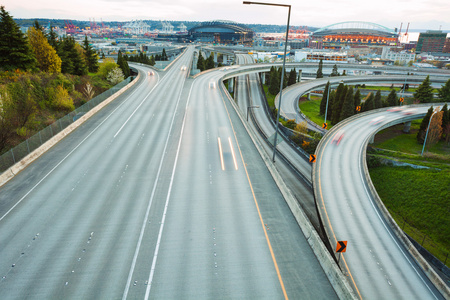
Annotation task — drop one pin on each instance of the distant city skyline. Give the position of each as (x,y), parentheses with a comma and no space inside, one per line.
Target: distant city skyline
(422,14)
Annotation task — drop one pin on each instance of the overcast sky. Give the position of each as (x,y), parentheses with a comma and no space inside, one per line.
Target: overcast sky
(423,14)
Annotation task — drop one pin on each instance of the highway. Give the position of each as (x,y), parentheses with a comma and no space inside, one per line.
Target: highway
(160,195)
(376,262)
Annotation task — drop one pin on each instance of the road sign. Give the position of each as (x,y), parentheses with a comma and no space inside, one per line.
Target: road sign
(324,125)
(312,158)
(341,246)
(401,99)
(358,108)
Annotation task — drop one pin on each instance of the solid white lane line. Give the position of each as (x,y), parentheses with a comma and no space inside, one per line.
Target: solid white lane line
(155,256)
(144,223)
(73,150)
(232,153)
(221,154)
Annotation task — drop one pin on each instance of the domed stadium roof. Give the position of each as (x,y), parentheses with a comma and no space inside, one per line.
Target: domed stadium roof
(355,27)
(220,26)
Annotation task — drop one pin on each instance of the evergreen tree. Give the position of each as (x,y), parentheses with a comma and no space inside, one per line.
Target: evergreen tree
(72,62)
(92,57)
(285,78)
(323,103)
(369,103)
(15,52)
(444,92)
(123,65)
(392,99)
(357,98)
(424,125)
(200,62)
(335,71)
(319,73)
(331,104)
(47,58)
(274,86)
(377,100)
(348,107)
(338,103)
(209,64)
(52,39)
(292,77)
(164,55)
(424,92)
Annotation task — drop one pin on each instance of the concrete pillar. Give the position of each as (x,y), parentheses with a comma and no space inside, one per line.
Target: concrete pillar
(215,57)
(372,139)
(299,76)
(230,85)
(406,127)
(263,77)
(309,96)
(225,59)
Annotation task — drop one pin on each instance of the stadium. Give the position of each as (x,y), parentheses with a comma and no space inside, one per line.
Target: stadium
(221,32)
(353,34)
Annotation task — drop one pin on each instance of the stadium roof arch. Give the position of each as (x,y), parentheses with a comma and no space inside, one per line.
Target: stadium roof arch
(220,26)
(355,27)
(220,31)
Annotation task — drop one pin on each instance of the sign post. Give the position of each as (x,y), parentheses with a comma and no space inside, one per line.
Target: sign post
(341,247)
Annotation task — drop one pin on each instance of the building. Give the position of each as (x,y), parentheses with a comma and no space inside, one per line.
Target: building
(353,33)
(446,46)
(401,57)
(222,32)
(431,41)
(325,56)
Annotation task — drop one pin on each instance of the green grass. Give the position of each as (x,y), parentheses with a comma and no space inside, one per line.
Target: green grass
(311,109)
(419,201)
(269,96)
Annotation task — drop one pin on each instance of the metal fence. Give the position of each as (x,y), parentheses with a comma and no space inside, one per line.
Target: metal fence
(17,153)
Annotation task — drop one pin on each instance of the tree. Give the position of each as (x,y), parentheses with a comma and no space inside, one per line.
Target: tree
(200,62)
(285,78)
(123,65)
(338,103)
(435,130)
(274,86)
(319,73)
(369,103)
(72,61)
(444,92)
(106,67)
(164,55)
(6,126)
(331,104)
(292,77)
(323,103)
(445,118)
(348,107)
(209,64)
(52,39)
(15,51)
(335,71)
(357,98)
(302,127)
(47,58)
(115,76)
(423,126)
(392,99)
(91,57)
(377,100)
(424,92)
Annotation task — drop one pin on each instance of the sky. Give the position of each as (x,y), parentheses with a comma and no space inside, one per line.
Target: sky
(422,14)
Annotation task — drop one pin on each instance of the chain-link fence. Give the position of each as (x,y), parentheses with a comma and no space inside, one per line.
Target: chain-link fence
(15,154)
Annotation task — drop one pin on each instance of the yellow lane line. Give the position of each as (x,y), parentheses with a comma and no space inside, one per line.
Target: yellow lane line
(257,208)
(232,153)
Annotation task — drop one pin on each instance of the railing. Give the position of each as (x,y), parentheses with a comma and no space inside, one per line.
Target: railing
(8,159)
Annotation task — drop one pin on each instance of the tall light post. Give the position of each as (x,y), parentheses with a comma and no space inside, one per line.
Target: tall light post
(326,108)
(283,70)
(426,134)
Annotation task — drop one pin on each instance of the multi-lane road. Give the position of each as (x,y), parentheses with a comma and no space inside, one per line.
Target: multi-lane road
(160,195)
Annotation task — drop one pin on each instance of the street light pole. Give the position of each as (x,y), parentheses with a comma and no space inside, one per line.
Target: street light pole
(283,69)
